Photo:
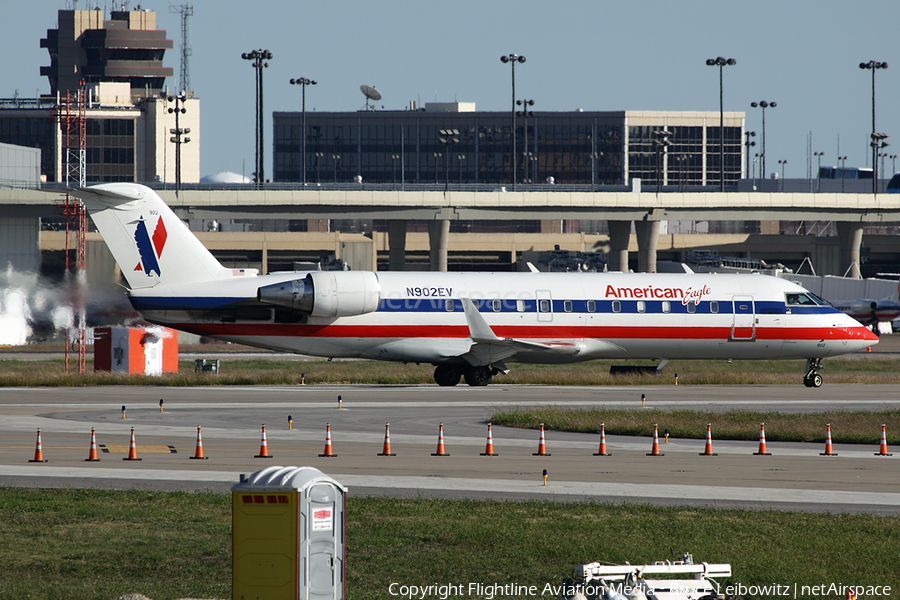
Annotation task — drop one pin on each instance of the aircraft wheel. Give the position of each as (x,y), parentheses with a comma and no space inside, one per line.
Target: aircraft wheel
(478,376)
(447,375)
(814,381)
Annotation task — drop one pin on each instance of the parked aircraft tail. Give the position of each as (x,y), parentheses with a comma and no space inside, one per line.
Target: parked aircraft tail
(149,242)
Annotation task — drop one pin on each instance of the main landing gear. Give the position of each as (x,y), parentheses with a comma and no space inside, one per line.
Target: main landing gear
(812,378)
(449,375)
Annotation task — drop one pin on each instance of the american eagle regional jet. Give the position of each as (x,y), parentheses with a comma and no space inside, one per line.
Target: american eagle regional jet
(468,325)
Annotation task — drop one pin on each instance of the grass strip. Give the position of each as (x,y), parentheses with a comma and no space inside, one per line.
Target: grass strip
(266,371)
(96,545)
(846,427)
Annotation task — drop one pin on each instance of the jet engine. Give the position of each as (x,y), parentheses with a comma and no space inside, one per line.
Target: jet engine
(326,293)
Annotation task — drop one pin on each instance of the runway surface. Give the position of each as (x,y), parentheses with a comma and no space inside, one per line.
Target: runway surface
(794,477)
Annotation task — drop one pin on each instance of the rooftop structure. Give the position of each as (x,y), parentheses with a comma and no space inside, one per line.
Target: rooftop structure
(87,49)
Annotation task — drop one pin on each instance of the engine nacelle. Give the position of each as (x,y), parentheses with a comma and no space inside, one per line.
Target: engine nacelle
(326,293)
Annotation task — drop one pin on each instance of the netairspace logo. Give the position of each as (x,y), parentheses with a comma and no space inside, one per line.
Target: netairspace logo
(484,591)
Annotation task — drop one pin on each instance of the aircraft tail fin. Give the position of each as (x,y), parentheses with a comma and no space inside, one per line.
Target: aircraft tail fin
(149,242)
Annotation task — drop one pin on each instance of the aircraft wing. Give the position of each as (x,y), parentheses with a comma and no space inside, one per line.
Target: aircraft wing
(488,348)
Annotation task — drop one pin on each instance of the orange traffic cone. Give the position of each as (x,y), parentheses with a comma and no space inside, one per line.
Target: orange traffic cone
(882,451)
(602,450)
(92,452)
(489,447)
(440,445)
(828,449)
(38,452)
(198,452)
(708,450)
(263,446)
(327,451)
(132,449)
(542,446)
(386,451)
(762,441)
(654,449)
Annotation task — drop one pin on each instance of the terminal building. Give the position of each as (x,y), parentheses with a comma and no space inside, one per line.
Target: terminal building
(453,144)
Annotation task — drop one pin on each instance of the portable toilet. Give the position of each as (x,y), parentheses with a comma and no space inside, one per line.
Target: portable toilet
(288,534)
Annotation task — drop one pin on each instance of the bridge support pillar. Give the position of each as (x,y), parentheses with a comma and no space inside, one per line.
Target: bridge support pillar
(647,239)
(850,239)
(438,234)
(619,234)
(397,244)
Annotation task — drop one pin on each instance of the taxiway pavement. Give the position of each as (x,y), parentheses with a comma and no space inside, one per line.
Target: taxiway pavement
(794,477)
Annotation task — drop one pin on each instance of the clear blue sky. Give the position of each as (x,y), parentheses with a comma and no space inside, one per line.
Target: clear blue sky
(589,54)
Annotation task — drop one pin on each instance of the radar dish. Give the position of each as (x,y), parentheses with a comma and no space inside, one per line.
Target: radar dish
(370,93)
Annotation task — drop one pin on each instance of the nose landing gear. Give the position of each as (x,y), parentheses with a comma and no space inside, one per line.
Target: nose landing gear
(812,378)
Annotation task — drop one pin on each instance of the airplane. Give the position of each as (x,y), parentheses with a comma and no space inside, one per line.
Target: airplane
(466,324)
(870,312)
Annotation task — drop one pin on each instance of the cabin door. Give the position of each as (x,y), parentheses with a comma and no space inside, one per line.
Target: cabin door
(744,325)
(544,305)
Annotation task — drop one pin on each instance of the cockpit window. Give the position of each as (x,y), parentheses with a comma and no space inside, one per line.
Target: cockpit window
(805,299)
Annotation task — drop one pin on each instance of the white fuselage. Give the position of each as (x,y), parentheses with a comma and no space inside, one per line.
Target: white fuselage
(583,316)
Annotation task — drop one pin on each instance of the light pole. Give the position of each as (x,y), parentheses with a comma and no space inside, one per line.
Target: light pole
(525,113)
(748,143)
(819,156)
(449,138)
(661,141)
(437,155)
(843,161)
(513,59)
(177,133)
(303,82)
(721,62)
(763,105)
(259,58)
(459,160)
(334,161)
(782,163)
(394,158)
(874,66)
(877,144)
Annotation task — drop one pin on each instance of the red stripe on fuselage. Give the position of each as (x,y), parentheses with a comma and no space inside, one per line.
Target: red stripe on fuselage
(519,332)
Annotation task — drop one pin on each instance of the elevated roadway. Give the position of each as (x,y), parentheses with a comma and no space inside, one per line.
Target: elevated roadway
(646,209)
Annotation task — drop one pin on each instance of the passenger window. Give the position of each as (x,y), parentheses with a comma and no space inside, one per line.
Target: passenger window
(448,305)
(617,306)
(544,305)
(520,305)
(567,306)
(497,304)
(591,306)
(713,306)
(666,306)
(641,306)
(691,307)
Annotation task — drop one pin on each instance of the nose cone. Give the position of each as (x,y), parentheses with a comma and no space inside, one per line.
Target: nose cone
(869,335)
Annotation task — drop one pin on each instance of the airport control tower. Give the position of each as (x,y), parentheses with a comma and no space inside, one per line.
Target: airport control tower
(127,48)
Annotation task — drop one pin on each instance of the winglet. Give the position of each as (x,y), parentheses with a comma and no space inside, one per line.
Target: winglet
(479,330)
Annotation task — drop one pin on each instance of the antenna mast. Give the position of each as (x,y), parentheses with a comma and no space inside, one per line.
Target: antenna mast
(185,10)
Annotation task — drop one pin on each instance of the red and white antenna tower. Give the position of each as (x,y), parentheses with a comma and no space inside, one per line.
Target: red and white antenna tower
(73,122)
